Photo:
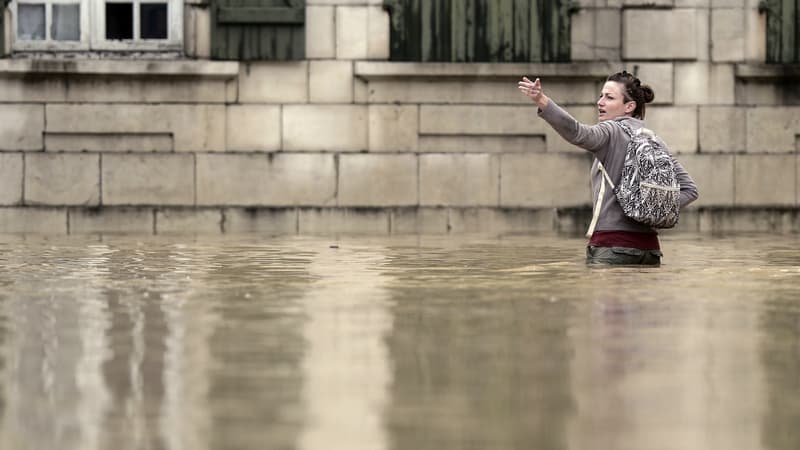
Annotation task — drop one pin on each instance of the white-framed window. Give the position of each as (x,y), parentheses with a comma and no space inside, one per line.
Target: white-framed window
(85,25)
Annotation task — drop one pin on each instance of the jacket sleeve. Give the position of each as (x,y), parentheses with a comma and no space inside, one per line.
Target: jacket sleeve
(689,192)
(592,138)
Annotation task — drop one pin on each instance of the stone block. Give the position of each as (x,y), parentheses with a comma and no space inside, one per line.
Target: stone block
(273,82)
(143,90)
(266,180)
(106,143)
(755,37)
(351,32)
(377,33)
(320,32)
(21,127)
(677,126)
(193,127)
(582,39)
(11,167)
(715,4)
(325,127)
(111,220)
(24,89)
(501,220)
(419,221)
(331,81)
(544,180)
(344,2)
(704,83)
(393,128)
(692,3)
(481,144)
(360,91)
(33,220)
(660,77)
(722,129)
(378,180)
(727,38)
(477,92)
(253,127)
(608,34)
(188,220)
(772,129)
(714,177)
(202,37)
(671,34)
(148,179)
(745,220)
(356,221)
(274,221)
(62,179)
(459,180)
(766,180)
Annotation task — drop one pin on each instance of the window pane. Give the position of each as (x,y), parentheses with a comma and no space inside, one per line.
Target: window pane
(31,22)
(119,20)
(153,20)
(66,22)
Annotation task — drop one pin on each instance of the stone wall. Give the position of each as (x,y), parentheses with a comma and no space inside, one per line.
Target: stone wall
(348,142)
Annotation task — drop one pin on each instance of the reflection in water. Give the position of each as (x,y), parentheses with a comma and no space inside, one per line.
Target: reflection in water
(396,343)
(346,366)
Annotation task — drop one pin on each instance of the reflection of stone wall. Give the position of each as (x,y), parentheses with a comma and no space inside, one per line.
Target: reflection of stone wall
(345,141)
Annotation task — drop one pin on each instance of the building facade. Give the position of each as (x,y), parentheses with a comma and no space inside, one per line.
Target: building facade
(373,116)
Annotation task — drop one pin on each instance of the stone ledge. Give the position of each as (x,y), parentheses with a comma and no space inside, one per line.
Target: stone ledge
(767,72)
(404,70)
(183,68)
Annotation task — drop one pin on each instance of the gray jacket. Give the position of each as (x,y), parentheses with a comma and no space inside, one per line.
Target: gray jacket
(608,142)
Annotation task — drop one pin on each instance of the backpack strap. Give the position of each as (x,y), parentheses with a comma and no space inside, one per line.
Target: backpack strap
(599,204)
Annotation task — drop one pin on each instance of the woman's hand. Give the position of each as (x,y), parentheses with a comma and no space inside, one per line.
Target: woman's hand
(533,89)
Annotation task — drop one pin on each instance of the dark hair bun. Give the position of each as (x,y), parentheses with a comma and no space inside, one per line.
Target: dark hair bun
(648,93)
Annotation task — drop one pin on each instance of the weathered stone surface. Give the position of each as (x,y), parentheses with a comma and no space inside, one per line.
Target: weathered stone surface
(331,81)
(273,82)
(21,89)
(142,90)
(111,220)
(582,39)
(727,37)
(704,83)
(147,179)
(714,176)
(591,39)
(544,180)
(671,34)
(188,220)
(378,180)
(116,142)
(677,126)
(253,127)
(488,91)
(459,180)
(748,220)
(772,129)
(343,221)
(755,48)
(481,144)
(500,220)
(62,179)
(266,180)
(11,167)
(325,128)
(393,127)
(33,220)
(766,180)
(194,127)
(660,77)
(351,32)
(273,221)
(722,129)
(419,220)
(21,127)
(320,32)
(378,33)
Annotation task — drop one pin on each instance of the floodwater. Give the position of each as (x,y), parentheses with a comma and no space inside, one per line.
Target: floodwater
(403,343)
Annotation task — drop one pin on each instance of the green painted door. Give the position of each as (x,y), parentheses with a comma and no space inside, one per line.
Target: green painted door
(783,30)
(247,30)
(480,30)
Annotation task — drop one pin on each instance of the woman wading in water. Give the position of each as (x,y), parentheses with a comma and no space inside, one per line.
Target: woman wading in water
(615,238)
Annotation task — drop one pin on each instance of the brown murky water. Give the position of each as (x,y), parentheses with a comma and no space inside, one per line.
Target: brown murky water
(405,343)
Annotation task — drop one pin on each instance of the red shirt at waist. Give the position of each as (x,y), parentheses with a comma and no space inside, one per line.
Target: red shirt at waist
(631,239)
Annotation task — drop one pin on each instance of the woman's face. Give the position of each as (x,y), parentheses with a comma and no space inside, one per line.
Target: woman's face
(612,103)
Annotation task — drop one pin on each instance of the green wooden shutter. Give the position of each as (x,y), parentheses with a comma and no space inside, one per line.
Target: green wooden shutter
(247,30)
(480,30)
(2,28)
(783,30)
